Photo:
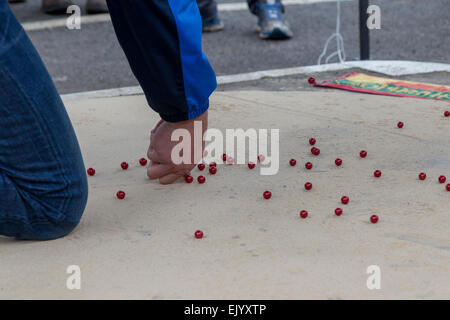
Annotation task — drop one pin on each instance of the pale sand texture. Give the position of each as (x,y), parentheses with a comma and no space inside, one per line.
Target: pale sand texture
(143,246)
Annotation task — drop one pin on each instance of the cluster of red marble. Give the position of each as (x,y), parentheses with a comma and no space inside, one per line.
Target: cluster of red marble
(308,185)
(338,162)
(124,165)
(267,194)
(201,166)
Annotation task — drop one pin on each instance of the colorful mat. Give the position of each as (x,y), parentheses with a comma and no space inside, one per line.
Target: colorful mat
(391,87)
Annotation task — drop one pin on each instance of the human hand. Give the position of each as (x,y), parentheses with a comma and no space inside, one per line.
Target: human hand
(162,165)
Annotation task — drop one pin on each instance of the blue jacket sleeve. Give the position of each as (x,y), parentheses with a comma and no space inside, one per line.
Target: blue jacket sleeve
(162,42)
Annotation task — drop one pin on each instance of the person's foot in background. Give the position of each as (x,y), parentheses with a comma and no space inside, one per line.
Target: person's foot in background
(271,21)
(60,6)
(211,21)
(212,24)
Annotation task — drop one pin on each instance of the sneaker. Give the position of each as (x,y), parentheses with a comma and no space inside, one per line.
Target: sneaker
(212,24)
(271,23)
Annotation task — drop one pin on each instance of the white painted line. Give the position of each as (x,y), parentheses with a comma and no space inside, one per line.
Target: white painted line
(276,73)
(107,93)
(400,68)
(390,68)
(61,22)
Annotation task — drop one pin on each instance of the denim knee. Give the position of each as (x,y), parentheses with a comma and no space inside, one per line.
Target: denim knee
(48,230)
(73,212)
(30,218)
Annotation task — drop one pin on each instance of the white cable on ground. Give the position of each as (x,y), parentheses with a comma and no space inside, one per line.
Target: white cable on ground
(340,52)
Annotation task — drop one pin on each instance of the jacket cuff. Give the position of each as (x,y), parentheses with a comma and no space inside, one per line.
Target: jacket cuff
(185,116)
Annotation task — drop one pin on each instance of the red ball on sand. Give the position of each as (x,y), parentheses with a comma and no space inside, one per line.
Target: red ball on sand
(363,154)
(188,178)
(303,214)
(251,165)
(292,162)
(201,166)
(120,194)
(422,176)
(308,165)
(447,113)
(312,141)
(442,179)
(267,194)
(143,161)
(224,157)
(213,164)
(447,187)
(315,151)
(400,125)
(201,179)
(308,186)
(338,211)
(212,170)
(124,165)
(198,234)
(374,218)
(345,199)
(377,173)
(91,171)
(311,80)
(338,162)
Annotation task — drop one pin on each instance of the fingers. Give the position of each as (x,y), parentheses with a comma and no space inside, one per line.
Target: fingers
(170,178)
(160,151)
(178,172)
(166,173)
(157,126)
(155,156)
(157,170)
(151,154)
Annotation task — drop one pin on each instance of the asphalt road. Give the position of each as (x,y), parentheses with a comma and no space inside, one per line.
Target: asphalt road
(91,58)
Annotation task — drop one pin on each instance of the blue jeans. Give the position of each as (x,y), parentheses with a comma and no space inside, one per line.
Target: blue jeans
(43,184)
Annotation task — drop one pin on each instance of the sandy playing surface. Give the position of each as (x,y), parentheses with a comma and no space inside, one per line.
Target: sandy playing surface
(143,246)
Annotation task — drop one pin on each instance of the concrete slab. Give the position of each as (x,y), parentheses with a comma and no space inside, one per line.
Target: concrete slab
(143,246)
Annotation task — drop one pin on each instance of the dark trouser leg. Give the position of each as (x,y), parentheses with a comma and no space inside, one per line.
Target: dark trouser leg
(253,5)
(43,185)
(208,8)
